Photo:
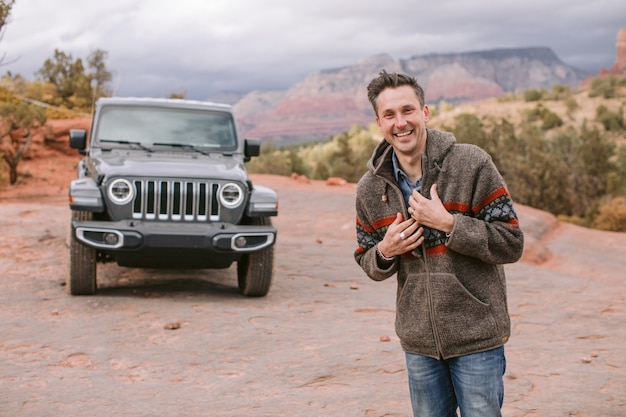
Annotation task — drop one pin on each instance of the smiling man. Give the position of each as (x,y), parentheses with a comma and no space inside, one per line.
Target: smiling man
(438,215)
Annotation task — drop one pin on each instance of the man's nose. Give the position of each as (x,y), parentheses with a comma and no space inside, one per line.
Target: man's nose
(400,121)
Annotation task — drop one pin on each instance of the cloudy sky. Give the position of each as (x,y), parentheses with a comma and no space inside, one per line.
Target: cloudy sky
(157,47)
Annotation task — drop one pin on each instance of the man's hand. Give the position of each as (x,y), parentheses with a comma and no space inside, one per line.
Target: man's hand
(431,212)
(402,236)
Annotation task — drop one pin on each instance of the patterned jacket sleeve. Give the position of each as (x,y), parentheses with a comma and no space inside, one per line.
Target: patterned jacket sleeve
(492,232)
(368,234)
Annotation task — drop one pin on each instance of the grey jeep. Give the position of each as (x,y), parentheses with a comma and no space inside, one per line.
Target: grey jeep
(162,184)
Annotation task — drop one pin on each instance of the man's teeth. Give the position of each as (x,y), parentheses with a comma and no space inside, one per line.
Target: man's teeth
(400,135)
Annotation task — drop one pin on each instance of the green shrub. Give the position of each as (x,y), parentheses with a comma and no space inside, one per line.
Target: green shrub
(271,161)
(345,156)
(571,104)
(534,114)
(550,120)
(532,95)
(560,92)
(506,98)
(603,87)
(612,121)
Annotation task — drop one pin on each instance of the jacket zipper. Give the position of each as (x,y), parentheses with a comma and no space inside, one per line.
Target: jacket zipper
(431,307)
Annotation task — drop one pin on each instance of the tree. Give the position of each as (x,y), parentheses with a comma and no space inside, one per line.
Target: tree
(470,129)
(5,11)
(591,167)
(74,88)
(179,94)
(533,175)
(506,147)
(100,75)
(64,74)
(17,119)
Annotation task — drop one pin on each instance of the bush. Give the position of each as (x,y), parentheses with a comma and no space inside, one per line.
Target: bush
(617,177)
(612,121)
(506,98)
(550,120)
(271,161)
(532,115)
(532,95)
(571,104)
(612,216)
(560,92)
(345,156)
(604,87)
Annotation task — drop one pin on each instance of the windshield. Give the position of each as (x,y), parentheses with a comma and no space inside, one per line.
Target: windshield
(166,126)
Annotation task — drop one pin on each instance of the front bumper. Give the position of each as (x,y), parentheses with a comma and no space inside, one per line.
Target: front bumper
(132,235)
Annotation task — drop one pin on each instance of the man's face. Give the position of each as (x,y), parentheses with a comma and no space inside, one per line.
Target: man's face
(402,120)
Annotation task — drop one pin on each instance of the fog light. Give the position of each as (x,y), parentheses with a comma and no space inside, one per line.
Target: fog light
(111,238)
(241,242)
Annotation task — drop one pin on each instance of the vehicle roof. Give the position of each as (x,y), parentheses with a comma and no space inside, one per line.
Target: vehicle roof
(163,102)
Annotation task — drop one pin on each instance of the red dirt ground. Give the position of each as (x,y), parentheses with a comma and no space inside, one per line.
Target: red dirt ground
(321,343)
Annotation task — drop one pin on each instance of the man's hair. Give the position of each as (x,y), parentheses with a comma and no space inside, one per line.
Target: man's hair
(393,80)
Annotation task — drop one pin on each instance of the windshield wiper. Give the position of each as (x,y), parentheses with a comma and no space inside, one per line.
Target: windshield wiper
(128,142)
(184,146)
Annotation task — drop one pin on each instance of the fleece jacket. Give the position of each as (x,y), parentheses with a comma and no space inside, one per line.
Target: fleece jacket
(451,297)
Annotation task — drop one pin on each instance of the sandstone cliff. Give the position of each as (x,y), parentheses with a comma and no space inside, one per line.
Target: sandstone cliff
(332,101)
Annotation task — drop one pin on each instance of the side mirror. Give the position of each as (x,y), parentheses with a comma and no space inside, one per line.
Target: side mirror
(78,140)
(251,147)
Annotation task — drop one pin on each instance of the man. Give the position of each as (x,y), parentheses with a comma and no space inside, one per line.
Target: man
(438,214)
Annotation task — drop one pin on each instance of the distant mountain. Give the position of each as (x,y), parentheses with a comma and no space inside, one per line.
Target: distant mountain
(226,97)
(331,101)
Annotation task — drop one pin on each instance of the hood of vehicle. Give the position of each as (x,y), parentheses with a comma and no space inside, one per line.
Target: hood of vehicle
(168,165)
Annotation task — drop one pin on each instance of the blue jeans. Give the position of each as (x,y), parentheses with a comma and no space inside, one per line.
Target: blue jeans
(473,383)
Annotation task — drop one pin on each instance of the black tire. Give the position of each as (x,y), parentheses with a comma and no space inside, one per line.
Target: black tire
(82,275)
(255,270)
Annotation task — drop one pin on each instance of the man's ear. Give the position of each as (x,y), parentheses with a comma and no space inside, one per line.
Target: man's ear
(426,112)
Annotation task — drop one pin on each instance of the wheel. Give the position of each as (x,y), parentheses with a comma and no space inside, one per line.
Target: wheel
(82,274)
(255,270)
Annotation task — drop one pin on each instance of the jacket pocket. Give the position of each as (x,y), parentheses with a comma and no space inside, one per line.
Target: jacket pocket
(413,322)
(461,319)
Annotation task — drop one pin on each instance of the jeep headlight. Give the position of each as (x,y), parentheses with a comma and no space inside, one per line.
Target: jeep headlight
(121,191)
(231,195)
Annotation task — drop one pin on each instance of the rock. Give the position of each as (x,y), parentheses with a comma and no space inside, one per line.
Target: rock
(336,181)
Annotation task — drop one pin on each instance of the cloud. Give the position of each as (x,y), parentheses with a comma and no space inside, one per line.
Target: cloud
(157,47)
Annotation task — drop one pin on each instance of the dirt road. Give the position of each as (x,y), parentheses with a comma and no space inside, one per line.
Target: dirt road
(179,343)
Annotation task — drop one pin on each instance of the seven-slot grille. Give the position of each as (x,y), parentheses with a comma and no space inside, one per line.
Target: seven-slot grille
(188,200)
